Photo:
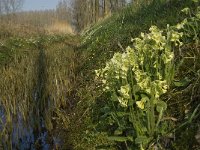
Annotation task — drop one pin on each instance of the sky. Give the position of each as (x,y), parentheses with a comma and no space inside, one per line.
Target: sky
(39,4)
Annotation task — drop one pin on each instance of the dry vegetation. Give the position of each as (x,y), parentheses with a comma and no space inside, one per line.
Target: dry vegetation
(37,84)
(59,28)
(17,84)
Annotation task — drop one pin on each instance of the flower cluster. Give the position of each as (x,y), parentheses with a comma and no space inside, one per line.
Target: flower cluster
(136,79)
(149,61)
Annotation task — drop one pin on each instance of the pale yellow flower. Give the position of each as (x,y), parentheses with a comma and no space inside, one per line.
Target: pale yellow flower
(123,101)
(124,90)
(140,104)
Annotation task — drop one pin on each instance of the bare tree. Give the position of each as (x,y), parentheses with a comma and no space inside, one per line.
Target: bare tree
(96,10)
(106,7)
(89,11)
(11,6)
(1,8)
(63,11)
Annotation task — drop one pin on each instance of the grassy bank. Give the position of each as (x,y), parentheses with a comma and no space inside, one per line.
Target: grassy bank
(114,34)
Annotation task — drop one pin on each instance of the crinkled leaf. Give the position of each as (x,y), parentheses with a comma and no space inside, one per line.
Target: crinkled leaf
(182,83)
(161,106)
(118,132)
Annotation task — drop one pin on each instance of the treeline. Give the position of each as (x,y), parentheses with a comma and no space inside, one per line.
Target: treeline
(10,6)
(90,11)
(10,13)
(78,13)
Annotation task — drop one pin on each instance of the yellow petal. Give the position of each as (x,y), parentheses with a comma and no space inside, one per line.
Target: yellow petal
(140,104)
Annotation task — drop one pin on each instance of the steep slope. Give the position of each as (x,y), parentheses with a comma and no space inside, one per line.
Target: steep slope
(114,34)
(104,38)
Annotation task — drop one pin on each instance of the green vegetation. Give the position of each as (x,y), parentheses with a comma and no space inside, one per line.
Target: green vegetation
(131,81)
(139,77)
(102,113)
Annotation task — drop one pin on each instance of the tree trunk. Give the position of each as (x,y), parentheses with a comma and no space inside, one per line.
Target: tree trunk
(106,7)
(96,10)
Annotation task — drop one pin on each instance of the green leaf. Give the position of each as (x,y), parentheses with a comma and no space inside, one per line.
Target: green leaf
(111,121)
(119,138)
(122,114)
(114,97)
(182,83)
(144,129)
(196,1)
(118,132)
(105,109)
(161,106)
(136,97)
(130,138)
(130,102)
(136,88)
(141,140)
(186,10)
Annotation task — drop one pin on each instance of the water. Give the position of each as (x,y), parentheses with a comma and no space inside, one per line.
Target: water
(38,84)
(30,134)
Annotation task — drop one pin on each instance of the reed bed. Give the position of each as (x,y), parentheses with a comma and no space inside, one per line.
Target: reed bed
(61,81)
(17,84)
(37,90)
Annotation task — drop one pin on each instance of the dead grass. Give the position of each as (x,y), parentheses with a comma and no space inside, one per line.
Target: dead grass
(60,28)
(16,85)
(11,29)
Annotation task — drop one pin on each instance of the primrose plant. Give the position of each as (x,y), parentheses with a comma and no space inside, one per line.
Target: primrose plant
(135,80)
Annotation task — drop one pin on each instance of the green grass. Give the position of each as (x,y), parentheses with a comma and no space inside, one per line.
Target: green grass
(5,54)
(113,34)
(102,40)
